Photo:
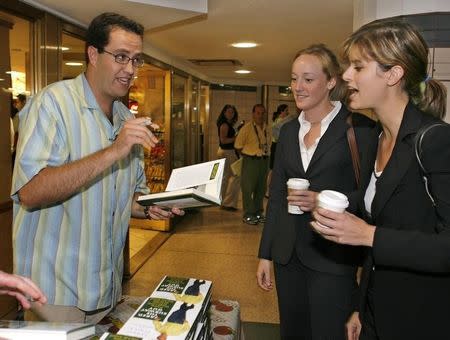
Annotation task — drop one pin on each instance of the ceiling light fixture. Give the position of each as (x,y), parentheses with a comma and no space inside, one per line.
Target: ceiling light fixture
(242,71)
(74,64)
(244,44)
(64,48)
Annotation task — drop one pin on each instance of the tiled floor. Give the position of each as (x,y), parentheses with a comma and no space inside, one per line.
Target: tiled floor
(212,244)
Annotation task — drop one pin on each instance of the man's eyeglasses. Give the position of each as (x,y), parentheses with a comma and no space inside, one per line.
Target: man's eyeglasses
(123,59)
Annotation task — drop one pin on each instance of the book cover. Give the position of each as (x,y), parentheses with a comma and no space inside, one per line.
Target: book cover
(142,322)
(191,291)
(187,299)
(110,336)
(33,330)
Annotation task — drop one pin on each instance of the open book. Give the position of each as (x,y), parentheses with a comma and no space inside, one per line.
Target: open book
(31,330)
(190,186)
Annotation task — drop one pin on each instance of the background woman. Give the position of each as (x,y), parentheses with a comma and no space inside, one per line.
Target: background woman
(315,278)
(230,184)
(406,277)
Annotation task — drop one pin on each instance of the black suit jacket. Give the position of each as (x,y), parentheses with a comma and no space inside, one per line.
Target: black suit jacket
(411,250)
(330,168)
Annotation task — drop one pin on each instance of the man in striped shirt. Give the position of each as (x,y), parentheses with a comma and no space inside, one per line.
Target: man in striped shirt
(78,173)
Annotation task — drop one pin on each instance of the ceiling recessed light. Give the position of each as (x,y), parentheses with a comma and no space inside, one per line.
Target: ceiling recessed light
(244,45)
(242,71)
(74,64)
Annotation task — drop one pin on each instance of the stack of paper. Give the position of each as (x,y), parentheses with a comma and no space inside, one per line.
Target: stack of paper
(177,309)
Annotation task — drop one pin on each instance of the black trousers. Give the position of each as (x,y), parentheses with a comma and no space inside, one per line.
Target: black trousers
(368,331)
(313,305)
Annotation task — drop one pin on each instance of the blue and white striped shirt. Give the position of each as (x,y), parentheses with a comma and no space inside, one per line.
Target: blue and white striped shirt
(73,249)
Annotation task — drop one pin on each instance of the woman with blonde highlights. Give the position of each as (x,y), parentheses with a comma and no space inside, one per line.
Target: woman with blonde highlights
(315,279)
(405,282)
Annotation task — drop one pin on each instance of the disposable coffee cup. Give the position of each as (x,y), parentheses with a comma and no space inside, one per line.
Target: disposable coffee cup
(332,200)
(296,184)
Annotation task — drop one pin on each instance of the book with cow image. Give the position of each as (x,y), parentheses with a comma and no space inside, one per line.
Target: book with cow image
(172,311)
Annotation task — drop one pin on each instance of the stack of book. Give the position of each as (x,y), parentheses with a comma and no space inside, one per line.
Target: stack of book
(177,309)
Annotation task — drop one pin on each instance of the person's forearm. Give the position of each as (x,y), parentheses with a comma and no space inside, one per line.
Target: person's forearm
(55,184)
(137,210)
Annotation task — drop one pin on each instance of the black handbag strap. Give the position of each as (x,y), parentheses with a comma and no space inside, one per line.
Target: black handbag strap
(418,150)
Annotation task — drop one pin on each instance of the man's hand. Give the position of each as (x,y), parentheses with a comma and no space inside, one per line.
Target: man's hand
(134,131)
(157,213)
(22,288)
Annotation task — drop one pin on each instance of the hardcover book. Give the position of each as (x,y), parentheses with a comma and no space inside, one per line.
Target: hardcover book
(191,186)
(172,311)
(32,330)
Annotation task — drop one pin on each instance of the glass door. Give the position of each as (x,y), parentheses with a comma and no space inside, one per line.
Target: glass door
(73,56)
(194,128)
(179,121)
(16,84)
(204,119)
(16,79)
(147,99)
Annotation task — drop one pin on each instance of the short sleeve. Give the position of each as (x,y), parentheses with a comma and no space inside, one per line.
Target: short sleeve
(41,141)
(240,138)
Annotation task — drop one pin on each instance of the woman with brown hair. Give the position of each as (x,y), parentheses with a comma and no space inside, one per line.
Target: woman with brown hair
(406,276)
(230,183)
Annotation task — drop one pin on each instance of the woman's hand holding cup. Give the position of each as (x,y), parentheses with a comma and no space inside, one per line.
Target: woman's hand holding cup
(333,223)
(300,199)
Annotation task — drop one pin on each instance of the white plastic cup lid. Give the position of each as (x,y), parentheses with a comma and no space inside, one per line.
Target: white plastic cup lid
(333,198)
(298,183)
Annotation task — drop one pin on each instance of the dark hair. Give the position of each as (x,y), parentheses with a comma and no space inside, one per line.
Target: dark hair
(22,98)
(258,105)
(277,113)
(330,66)
(222,119)
(97,34)
(392,42)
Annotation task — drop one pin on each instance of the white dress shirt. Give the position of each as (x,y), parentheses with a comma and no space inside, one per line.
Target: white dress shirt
(305,126)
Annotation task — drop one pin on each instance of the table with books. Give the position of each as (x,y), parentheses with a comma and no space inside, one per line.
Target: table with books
(179,308)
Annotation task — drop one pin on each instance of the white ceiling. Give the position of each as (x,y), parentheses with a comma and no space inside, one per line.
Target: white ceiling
(280,28)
